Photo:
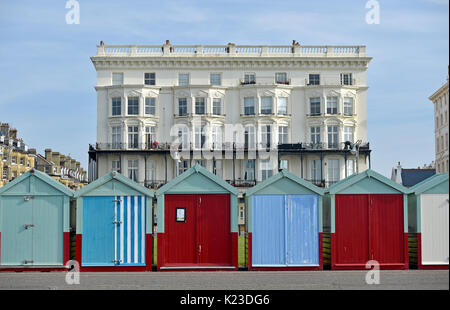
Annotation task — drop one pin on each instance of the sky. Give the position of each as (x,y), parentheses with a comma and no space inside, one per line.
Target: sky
(47,78)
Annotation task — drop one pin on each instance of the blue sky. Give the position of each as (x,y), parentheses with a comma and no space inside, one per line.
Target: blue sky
(47,79)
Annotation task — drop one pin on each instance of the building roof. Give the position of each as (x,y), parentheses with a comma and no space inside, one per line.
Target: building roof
(429,183)
(42,176)
(356,178)
(411,177)
(113,175)
(200,170)
(284,174)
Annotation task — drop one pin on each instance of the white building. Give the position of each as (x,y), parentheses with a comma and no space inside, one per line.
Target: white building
(300,102)
(441,117)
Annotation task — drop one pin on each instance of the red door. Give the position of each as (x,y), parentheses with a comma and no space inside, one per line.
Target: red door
(214,232)
(352,233)
(387,230)
(180,236)
(202,237)
(369,227)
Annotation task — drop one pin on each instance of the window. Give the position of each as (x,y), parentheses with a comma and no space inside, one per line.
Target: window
(348,106)
(350,167)
(283,164)
(150,135)
(183,137)
(217,168)
(13,175)
(266,105)
(346,79)
(333,170)
(265,135)
(133,137)
(249,106)
(150,172)
(281,78)
(249,173)
(133,105)
(5,156)
(315,135)
(266,169)
(149,78)
(249,78)
(116,137)
(314,105)
(183,79)
(133,169)
(199,105)
(332,105)
(216,137)
(150,106)
(282,106)
(314,79)
(282,134)
(116,106)
(5,174)
(28,164)
(249,137)
(22,161)
(182,166)
(199,138)
(215,79)
(332,136)
(217,106)
(182,106)
(316,171)
(117,78)
(115,165)
(14,160)
(201,162)
(348,133)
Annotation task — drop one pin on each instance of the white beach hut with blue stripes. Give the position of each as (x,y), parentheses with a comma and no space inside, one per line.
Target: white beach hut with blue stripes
(114,225)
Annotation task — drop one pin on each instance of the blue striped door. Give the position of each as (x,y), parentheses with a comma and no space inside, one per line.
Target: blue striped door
(113,231)
(268,245)
(129,236)
(302,230)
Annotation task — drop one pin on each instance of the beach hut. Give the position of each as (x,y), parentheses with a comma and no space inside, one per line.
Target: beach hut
(284,224)
(428,203)
(368,216)
(114,225)
(197,216)
(34,223)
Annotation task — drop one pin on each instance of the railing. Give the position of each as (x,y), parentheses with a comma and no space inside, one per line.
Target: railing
(230,50)
(322,183)
(331,81)
(229,146)
(200,115)
(155,184)
(242,183)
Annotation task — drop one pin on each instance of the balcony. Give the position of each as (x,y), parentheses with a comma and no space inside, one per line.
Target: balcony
(331,81)
(242,183)
(153,184)
(231,50)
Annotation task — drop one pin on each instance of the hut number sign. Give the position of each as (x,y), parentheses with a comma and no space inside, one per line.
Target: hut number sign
(180,214)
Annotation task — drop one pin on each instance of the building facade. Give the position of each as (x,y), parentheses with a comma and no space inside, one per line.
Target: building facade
(15,157)
(441,119)
(243,112)
(62,168)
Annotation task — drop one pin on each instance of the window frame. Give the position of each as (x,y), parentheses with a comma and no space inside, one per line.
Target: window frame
(133,107)
(149,105)
(151,80)
(211,79)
